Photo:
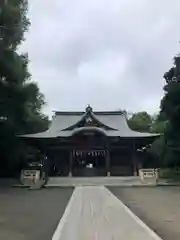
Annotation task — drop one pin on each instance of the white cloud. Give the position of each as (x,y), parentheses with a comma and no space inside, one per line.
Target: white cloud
(111,54)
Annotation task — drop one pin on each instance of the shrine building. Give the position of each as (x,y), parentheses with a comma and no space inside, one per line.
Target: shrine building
(90,143)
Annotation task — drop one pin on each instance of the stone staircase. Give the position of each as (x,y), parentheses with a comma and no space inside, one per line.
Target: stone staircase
(93,181)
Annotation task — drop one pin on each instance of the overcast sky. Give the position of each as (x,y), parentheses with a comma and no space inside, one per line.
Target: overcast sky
(110,54)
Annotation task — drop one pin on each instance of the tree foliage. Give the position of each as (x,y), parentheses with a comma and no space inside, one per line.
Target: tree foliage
(170,111)
(144,122)
(20,99)
(158,125)
(140,121)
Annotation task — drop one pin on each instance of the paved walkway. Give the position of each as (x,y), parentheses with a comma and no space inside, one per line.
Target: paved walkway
(94,213)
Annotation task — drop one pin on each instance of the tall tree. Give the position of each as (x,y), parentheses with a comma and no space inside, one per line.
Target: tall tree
(158,125)
(20,99)
(144,122)
(170,111)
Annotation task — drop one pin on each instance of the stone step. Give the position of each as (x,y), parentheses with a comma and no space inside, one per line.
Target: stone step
(97,181)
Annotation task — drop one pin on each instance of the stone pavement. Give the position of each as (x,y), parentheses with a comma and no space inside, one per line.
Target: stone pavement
(94,213)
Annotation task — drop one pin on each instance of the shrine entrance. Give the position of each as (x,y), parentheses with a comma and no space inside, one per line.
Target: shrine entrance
(90,155)
(89,163)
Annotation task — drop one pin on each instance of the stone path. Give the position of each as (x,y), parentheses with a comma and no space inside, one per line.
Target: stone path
(94,213)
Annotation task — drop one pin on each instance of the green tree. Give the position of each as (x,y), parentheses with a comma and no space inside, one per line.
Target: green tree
(170,111)
(144,122)
(158,125)
(20,99)
(156,152)
(140,121)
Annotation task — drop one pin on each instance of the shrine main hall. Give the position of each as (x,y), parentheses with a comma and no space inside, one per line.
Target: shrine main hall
(90,143)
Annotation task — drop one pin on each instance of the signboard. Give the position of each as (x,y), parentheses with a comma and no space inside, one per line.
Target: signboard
(29,177)
(149,174)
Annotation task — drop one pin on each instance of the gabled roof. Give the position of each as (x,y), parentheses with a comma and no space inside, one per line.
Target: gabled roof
(112,123)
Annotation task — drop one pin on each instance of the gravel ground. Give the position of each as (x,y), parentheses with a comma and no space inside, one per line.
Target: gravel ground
(31,215)
(158,207)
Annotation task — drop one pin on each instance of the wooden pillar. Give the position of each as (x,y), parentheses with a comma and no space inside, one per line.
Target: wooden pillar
(134,160)
(70,163)
(108,163)
(108,172)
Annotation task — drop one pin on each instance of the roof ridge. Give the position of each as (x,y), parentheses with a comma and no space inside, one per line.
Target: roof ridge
(109,112)
(69,112)
(94,112)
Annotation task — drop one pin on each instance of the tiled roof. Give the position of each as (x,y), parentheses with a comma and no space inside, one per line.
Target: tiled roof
(115,122)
